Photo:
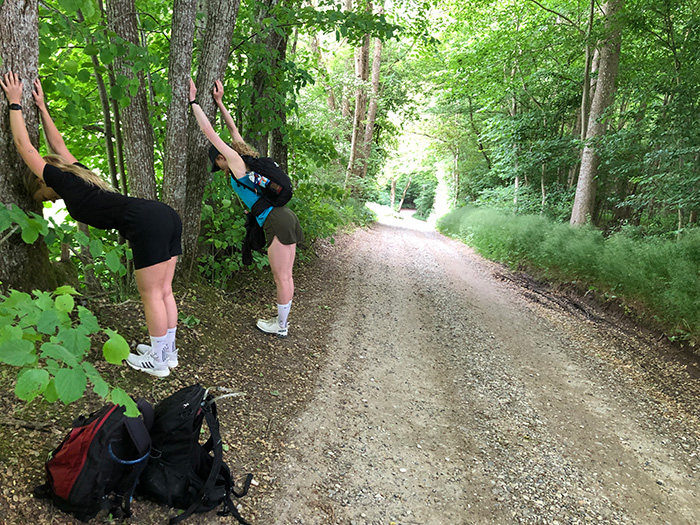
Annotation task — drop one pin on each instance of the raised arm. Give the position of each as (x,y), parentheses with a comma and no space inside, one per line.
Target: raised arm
(12,86)
(233,159)
(53,136)
(218,94)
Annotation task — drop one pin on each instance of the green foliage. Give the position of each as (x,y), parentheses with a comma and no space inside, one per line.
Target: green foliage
(14,218)
(48,338)
(661,275)
(222,233)
(99,258)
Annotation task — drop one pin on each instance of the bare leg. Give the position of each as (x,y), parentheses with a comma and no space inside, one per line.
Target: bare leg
(281,258)
(155,286)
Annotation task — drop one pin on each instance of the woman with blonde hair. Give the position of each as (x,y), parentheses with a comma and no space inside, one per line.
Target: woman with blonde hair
(280,224)
(152,228)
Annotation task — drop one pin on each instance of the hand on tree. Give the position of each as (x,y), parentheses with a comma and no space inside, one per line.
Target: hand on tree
(193,90)
(218,91)
(38,95)
(12,86)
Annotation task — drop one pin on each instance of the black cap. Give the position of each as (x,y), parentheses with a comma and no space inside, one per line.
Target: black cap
(213,153)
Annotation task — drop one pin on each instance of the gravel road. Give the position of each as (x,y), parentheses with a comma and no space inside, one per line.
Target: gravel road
(452,394)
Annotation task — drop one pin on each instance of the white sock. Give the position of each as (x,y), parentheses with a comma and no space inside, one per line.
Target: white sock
(283,313)
(170,335)
(159,345)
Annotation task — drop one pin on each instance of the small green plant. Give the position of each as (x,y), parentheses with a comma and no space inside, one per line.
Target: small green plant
(189,321)
(47,337)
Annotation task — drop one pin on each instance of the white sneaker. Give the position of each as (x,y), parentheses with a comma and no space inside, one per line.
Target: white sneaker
(148,363)
(272,326)
(170,357)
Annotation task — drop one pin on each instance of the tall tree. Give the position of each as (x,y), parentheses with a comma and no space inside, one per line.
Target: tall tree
(603,97)
(176,136)
(22,266)
(373,103)
(356,162)
(212,61)
(138,130)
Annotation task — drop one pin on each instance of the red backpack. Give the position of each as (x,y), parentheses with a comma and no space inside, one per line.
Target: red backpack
(98,464)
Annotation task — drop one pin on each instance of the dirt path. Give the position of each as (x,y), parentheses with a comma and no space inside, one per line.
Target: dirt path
(450,396)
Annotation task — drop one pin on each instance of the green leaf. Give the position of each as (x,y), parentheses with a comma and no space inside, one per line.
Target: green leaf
(48,322)
(59,353)
(84,75)
(70,384)
(70,6)
(70,67)
(96,248)
(115,349)
(91,50)
(75,340)
(30,233)
(65,303)
(66,289)
(113,261)
(100,386)
(50,393)
(17,352)
(31,383)
(120,397)
(82,238)
(88,321)
(106,56)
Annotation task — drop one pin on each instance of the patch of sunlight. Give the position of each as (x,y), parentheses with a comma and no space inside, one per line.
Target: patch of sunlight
(402,219)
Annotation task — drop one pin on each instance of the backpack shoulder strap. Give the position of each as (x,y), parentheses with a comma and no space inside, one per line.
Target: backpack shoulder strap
(215,439)
(137,429)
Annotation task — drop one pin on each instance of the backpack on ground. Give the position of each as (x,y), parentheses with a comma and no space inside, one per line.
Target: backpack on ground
(181,472)
(273,185)
(98,464)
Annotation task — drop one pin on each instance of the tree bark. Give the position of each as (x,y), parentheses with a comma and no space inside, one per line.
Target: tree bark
(22,266)
(176,133)
(138,131)
(373,105)
(213,59)
(355,162)
(603,97)
(403,195)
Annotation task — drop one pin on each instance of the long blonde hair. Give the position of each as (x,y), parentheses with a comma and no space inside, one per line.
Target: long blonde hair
(244,149)
(84,173)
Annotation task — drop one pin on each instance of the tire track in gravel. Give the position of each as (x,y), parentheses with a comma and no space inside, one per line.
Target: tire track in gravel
(448,398)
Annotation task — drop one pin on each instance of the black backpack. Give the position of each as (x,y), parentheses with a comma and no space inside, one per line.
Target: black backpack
(278,190)
(98,464)
(181,472)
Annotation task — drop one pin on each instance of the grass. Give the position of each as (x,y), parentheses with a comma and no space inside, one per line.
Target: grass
(663,276)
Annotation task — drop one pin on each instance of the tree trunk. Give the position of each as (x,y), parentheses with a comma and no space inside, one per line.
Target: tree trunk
(138,131)
(356,161)
(373,103)
(22,266)
(602,99)
(393,193)
(403,195)
(213,59)
(176,134)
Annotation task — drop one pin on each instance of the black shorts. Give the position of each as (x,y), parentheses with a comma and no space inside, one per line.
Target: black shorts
(154,230)
(283,224)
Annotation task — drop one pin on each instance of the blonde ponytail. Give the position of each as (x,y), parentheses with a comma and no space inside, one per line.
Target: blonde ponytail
(84,173)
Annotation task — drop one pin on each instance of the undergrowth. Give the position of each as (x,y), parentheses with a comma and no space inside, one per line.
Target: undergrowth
(660,275)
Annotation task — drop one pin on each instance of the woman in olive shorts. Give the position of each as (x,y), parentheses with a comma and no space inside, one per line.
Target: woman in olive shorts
(281,225)
(153,228)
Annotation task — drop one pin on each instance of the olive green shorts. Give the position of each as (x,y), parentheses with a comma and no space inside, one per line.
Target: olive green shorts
(283,224)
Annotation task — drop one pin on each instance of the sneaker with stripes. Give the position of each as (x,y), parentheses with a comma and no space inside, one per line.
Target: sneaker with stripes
(149,364)
(170,357)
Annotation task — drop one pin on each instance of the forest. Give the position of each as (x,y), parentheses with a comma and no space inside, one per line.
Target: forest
(561,136)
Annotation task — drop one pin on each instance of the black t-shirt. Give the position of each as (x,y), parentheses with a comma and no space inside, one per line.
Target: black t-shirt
(88,203)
